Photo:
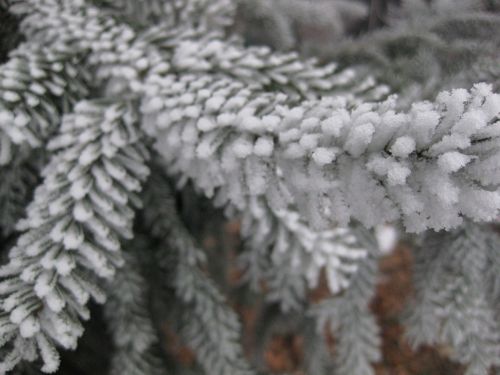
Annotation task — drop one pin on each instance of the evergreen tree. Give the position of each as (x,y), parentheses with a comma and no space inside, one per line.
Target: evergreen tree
(115,115)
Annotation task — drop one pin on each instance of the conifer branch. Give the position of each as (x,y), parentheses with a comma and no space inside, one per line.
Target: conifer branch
(19,179)
(187,49)
(288,256)
(349,317)
(37,85)
(235,122)
(209,326)
(273,71)
(428,167)
(137,348)
(72,232)
(201,14)
(453,305)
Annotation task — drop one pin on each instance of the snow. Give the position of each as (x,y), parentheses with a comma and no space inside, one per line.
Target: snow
(11,96)
(29,327)
(403,146)
(48,353)
(358,139)
(82,211)
(6,117)
(333,125)
(206,124)
(309,141)
(323,156)
(397,175)
(45,283)
(54,301)
(21,119)
(271,122)
(453,161)
(242,148)
(263,146)
(73,236)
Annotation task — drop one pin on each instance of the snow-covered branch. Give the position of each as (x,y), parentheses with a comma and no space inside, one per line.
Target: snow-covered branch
(428,167)
(38,84)
(72,232)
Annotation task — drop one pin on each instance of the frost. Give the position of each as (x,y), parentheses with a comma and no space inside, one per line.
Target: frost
(64,221)
(453,161)
(358,139)
(323,156)
(397,175)
(206,124)
(48,353)
(331,135)
(81,187)
(29,327)
(304,155)
(45,283)
(82,211)
(263,146)
(242,148)
(403,146)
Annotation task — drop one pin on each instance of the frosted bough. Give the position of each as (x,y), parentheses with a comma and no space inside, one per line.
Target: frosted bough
(118,117)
